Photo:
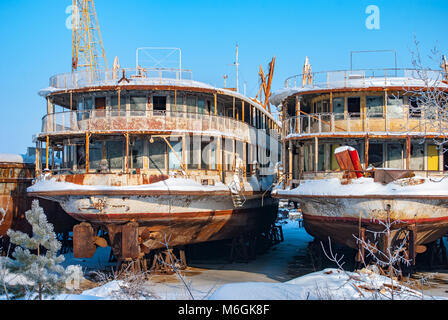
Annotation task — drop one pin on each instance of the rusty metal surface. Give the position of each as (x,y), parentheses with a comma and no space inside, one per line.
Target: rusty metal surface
(15,178)
(83,241)
(389,175)
(343,231)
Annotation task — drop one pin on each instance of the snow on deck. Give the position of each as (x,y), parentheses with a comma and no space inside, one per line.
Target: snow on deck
(367,186)
(171,184)
(15,158)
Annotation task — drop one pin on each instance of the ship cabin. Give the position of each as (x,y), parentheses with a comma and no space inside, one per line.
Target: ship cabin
(378,112)
(133,126)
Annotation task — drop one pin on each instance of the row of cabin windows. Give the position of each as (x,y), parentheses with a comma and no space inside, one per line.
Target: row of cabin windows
(201,153)
(381,155)
(140,104)
(374,107)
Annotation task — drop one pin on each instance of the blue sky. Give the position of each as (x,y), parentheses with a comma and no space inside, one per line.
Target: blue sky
(36,43)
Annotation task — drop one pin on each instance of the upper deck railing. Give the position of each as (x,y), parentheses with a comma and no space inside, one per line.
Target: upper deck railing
(365,78)
(82,79)
(357,123)
(109,121)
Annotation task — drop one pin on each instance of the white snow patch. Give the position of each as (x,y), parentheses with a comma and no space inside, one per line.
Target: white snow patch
(367,186)
(328,284)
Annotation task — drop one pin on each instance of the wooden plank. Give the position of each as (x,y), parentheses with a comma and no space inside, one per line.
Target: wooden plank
(83,241)
(130,248)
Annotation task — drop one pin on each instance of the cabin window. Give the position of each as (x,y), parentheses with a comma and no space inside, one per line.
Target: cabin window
(354,107)
(138,105)
(374,106)
(159,103)
(415,110)
(177,103)
(156,154)
(209,107)
(338,108)
(325,106)
(417,156)
(208,154)
(309,157)
(81,156)
(137,153)
(228,154)
(201,105)
(175,154)
(193,151)
(115,154)
(376,155)
(395,155)
(95,155)
(333,161)
(321,158)
(191,104)
(114,105)
(394,107)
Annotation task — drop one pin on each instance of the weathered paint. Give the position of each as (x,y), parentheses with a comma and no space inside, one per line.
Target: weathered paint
(339,217)
(178,219)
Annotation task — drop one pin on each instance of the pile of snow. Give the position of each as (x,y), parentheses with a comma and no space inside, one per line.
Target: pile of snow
(328,284)
(367,186)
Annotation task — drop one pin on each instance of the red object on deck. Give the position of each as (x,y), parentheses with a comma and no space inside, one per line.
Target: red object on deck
(356,162)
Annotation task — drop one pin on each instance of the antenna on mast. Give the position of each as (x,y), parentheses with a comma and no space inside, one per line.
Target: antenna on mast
(88,51)
(236,64)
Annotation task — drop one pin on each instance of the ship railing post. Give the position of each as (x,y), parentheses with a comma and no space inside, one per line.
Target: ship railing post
(348,123)
(332,122)
(320,122)
(309,124)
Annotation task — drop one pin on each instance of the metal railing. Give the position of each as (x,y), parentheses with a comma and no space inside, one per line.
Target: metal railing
(371,123)
(72,122)
(86,78)
(364,78)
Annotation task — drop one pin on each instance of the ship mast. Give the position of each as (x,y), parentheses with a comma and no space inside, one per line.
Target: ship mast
(88,50)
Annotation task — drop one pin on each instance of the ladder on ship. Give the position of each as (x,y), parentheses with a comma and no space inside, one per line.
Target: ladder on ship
(237,187)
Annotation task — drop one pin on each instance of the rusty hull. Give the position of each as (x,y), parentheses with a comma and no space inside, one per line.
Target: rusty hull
(342,217)
(15,178)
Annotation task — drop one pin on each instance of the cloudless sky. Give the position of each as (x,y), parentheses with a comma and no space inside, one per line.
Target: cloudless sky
(35,43)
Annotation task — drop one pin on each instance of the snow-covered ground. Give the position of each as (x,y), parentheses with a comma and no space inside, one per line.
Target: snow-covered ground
(266,278)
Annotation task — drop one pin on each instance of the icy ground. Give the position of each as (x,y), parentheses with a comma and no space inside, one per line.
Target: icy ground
(268,278)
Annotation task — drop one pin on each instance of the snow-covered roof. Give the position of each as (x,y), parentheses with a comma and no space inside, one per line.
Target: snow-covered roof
(81,79)
(359,79)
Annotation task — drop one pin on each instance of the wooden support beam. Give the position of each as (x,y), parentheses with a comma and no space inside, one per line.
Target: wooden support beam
(408,153)
(127,152)
(37,160)
(366,152)
(87,152)
(242,118)
(316,153)
(47,147)
(175,100)
(216,104)
(290,161)
(119,101)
